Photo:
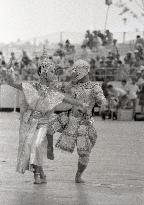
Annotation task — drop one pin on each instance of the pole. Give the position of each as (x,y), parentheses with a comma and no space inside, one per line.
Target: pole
(124,37)
(124,33)
(106,19)
(61,37)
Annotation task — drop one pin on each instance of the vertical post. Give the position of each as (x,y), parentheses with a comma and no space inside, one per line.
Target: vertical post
(124,36)
(15,101)
(124,33)
(34,44)
(143,34)
(61,37)
(0,95)
(106,19)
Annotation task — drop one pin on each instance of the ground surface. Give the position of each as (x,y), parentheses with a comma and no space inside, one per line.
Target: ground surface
(115,175)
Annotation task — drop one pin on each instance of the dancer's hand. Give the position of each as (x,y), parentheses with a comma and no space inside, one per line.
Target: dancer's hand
(83,108)
(9,76)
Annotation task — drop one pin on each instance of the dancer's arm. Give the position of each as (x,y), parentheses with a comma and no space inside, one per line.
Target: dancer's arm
(75,102)
(12,83)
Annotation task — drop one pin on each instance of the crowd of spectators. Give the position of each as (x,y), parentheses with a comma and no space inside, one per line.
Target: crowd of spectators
(111,67)
(126,96)
(23,69)
(97,38)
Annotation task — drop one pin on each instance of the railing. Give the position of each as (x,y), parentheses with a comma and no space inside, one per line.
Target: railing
(9,97)
(112,74)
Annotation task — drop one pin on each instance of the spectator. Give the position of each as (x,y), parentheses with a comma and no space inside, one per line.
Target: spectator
(92,73)
(129,59)
(124,85)
(119,94)
(139,42)
(67,45)
(3,72)
(133,89)
(96,40)
(109,37)
(2,59)
(110,59)
(142,70)
(104,88)
(140,79)
(141,98)
(25,59)
(12,60)
(89,38)
(69,70)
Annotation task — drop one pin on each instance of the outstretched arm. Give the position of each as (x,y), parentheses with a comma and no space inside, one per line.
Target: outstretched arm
(12,83)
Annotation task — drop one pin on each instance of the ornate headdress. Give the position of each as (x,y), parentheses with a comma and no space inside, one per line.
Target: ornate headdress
(81,68)
(45,63)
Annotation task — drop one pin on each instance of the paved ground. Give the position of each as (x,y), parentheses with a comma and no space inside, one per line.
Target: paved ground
(115,175)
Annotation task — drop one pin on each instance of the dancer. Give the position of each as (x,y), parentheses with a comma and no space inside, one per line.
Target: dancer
(80,131)
(37,111)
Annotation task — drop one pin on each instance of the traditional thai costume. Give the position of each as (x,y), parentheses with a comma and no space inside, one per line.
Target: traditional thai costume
(36,118)
(80,130)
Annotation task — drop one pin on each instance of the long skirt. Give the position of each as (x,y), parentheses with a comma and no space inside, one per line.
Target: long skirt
(28,137)
(33,139)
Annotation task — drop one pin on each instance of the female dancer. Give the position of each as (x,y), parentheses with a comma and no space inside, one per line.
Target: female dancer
(37,108)
(80,130)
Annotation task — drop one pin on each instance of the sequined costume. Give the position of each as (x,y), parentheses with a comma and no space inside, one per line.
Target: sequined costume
(80,131)
(39,119)
(36,119)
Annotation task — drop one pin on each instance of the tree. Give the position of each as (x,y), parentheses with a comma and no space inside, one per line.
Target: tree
(131,8)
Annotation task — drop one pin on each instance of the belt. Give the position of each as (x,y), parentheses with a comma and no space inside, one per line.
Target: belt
(66,111)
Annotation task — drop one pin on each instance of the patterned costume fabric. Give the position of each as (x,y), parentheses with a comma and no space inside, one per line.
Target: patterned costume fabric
(41,97)
(37,118)
(80,131)
(34,126)
(46,65)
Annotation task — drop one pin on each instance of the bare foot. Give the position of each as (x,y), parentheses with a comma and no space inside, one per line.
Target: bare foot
(78,179)
(37,179)
(44,180)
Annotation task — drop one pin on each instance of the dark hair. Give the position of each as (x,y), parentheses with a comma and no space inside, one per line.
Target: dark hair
(142,89)
(39,70)
(109,86)
(50,57)
(71,61)
(120,62)
(124,81)
(16,63)
(3,63)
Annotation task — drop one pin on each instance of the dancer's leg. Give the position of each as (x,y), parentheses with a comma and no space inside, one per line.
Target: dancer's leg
(42,176)
(50,154)
(36,172)
(36,158)
(82,165)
